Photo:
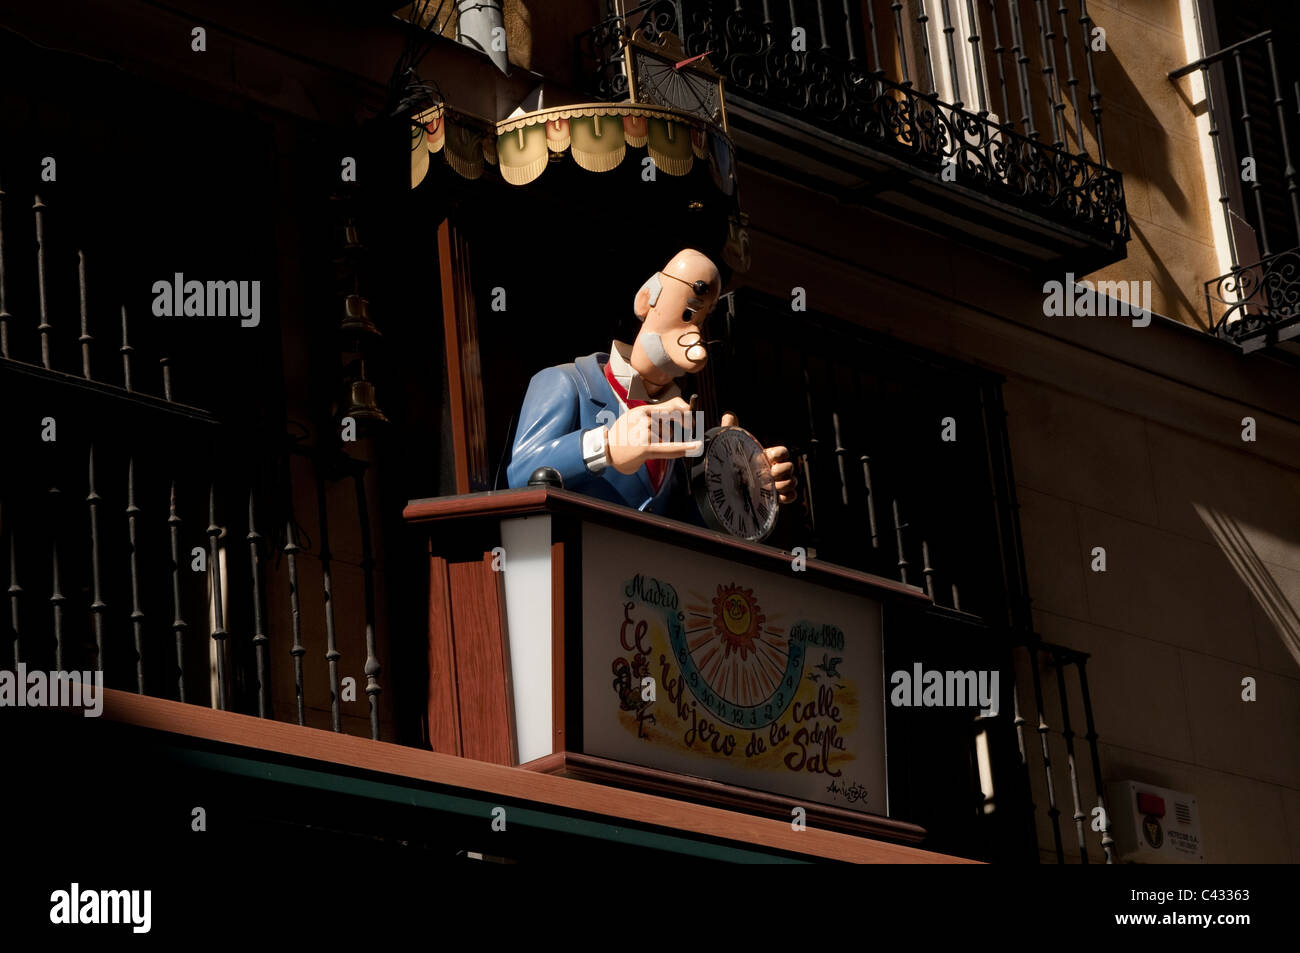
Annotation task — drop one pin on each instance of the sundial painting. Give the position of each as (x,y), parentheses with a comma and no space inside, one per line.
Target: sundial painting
(742,669)
(700,666)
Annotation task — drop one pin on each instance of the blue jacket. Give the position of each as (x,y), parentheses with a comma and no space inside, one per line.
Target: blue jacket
(561,404)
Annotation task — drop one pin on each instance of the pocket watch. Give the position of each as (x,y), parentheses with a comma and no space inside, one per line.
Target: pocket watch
(733,485)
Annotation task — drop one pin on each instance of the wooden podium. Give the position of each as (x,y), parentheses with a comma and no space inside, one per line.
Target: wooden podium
(575,637)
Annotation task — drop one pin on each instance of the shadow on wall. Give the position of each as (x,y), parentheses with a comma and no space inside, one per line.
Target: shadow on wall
(1253,571)
(1130,107)
(1169,286)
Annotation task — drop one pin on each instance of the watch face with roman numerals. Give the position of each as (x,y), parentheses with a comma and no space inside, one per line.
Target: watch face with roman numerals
(734,487)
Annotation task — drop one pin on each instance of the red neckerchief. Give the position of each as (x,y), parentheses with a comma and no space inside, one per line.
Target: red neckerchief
(657,469)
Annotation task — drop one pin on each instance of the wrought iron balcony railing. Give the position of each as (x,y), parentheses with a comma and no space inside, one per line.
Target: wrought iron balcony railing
(1256,303)
(154,539)
(937,93)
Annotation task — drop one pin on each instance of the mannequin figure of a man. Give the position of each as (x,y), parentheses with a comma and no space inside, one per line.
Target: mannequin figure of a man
(603,422)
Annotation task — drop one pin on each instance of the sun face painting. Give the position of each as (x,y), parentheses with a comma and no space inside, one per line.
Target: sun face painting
(742,670)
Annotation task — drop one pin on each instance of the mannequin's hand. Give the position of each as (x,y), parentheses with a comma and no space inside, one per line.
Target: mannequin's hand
(782,467)
(643,433)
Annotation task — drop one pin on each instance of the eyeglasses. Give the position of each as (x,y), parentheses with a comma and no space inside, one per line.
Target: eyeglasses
(699,286)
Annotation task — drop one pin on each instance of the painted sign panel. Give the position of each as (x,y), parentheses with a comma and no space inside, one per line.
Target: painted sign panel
(700,666)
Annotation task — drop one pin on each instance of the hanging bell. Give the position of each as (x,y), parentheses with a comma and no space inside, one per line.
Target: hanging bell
(346,243)
(356,317)
(351,240)
(361,403)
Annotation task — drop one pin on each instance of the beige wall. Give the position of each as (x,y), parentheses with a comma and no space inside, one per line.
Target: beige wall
(1201,529)
(1126,438)
(1201,590)
(1149,127)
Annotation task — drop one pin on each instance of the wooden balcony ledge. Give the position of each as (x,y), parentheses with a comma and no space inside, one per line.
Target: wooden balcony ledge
(290,753)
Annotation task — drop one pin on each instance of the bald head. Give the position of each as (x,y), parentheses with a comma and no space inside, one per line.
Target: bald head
(690,266)
(672,306)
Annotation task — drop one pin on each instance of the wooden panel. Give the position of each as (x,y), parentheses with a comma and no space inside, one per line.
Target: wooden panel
(482,662)
(678,817)
(444,714)
(464,373)
(640,778)
(557,647)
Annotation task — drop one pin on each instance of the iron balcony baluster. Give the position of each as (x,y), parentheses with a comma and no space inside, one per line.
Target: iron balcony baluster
(166,363)
(973,781)
(840,453)
(1072,81)
(368,581)
(217,595)
(1278,103)
(999,52)
(260,646)
(85,337)
(1216,141)
(1053,812)
(44,327)
(1018,722)
(1094,94)
(897,7)
(1022,68)
(126,350)
(976,58)
(1061,660)
(926,570)
(1248,127)
(97,606)
(922,19)
(1047,39)
(57,599)
(899,526)
(1107,841)
(332,654)
(948,30)
(871,501)
(4,309)
(15,593)
(179,624)
(875,45)
(297,650)
(137,616)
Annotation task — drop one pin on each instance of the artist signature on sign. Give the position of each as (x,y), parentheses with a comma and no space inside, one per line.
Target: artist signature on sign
(851,792)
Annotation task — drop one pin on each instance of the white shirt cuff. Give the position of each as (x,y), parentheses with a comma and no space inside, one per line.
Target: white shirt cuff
(593,450)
